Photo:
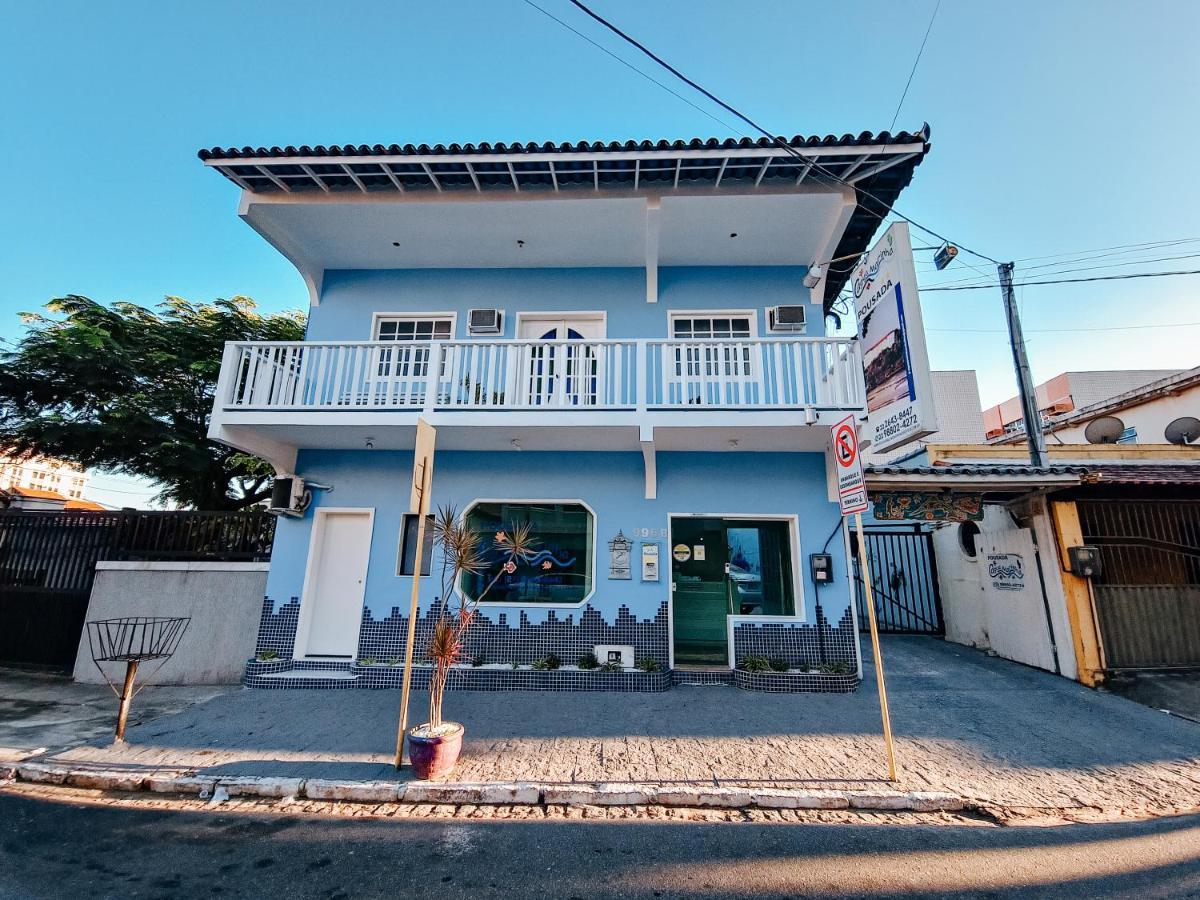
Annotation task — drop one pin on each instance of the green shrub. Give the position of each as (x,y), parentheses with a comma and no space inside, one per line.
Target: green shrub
(647,664)
(367,661)
(478,660)
(834,668)
(394,661)
(267,655)
(588,662)
(755,663)
(778,664)
(515,664)
(547,663)
(612,666)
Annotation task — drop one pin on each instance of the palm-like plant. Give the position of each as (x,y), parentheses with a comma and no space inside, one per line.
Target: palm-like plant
(461,555)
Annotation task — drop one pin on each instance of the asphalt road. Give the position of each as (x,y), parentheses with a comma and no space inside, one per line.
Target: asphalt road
(50,849)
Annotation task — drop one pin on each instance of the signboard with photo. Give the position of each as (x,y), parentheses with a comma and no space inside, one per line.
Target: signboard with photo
(895,361)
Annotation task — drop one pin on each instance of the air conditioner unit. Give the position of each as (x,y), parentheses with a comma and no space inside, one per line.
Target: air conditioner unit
(786,318)
(485,321)
(289,497)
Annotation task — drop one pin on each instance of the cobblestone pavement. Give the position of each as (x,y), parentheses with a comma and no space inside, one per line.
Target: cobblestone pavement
(999,734)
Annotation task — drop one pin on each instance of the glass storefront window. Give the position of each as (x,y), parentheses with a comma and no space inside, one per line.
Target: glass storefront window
(559,568)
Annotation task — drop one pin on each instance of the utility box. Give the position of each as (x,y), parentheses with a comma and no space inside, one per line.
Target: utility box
(821,566)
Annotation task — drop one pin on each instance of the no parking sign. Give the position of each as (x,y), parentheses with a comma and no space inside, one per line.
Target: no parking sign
(847,461)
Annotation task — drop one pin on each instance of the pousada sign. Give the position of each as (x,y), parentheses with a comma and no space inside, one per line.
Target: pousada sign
(899,388)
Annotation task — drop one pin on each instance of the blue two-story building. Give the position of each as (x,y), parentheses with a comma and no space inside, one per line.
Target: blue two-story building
(622,345)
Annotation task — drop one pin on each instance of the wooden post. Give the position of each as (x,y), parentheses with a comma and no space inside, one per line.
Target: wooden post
(864,564)
(419,501)
(126,695)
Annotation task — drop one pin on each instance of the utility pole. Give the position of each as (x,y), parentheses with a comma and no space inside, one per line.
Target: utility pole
(1029,409)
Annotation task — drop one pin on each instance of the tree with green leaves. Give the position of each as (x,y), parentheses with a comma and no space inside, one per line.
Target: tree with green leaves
(129,389)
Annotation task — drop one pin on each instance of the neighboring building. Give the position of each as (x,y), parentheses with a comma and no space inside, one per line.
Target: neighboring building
(39,500)
(615,343)
(956,399)
(1007,583)
(1064,394)
(43,475)
(1142,413)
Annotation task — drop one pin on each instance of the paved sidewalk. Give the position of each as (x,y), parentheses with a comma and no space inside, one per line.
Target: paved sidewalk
(40,710)
(1001,735)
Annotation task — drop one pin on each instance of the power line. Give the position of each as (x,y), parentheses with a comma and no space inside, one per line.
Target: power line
(630,65)
(1056,272)
(988,287)
(916,61)
(774,138)
(1071,330)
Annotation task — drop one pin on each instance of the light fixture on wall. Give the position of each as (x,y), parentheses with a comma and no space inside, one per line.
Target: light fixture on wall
(813,276)
(810,416)
(369,443)
(516,443)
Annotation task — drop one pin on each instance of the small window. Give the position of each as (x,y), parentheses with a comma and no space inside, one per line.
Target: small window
(968,538)
(715,328)
(557,570)
(403,328)
(408,545)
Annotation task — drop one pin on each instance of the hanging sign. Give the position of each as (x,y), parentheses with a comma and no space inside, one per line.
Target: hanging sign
(929,506)
(895,360)
(847,467)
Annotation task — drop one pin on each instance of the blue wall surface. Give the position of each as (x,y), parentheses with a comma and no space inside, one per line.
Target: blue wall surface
(349,298)
(612,484)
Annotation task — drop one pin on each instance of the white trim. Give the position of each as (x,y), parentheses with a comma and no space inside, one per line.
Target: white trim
(751,313)
(443,316)
(798,595)
(586,315)
(120,565)
(304,623)
(595,551)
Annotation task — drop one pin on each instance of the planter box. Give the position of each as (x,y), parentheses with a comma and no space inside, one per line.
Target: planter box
(796,682)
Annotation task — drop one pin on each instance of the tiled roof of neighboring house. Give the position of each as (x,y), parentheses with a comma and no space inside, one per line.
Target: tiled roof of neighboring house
(1137,473)
(85,505)
(879,166)
(981,469)
(37,493)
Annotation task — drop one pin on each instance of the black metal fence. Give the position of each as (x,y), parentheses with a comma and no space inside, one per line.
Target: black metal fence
(903,580)
(48,563)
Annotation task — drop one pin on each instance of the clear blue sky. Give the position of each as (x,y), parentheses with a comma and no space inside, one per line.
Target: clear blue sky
(1057,127)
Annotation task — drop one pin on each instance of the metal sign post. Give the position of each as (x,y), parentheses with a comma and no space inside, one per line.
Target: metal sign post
(852,497)
(419,504)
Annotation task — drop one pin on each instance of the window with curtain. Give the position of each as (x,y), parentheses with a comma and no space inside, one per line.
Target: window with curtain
(558,570)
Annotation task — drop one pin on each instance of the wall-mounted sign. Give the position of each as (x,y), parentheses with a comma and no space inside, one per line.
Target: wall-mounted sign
(847,467)
(681,552)
(929,506)
(698,552)
(619,566)
(1006,571)
(895,362)
(649,562)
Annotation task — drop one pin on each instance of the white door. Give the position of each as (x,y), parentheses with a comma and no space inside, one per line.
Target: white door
(331,610)
(580,366)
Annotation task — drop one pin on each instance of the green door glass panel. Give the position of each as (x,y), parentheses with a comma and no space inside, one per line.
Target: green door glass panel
(698,557)
(721,567)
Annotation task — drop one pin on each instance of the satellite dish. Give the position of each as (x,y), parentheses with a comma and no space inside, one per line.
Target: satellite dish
(1104,430)
(1183,430)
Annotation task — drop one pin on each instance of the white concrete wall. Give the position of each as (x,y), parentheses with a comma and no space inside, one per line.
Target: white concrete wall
(1150,419)
(979,617)
(224,601)
(959,417)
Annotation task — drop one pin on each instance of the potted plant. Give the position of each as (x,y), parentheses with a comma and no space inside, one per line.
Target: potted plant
(434,746)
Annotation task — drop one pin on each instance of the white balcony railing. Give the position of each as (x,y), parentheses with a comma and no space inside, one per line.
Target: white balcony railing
(778,373)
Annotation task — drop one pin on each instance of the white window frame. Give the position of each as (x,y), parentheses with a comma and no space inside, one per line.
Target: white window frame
(376,318)
(751,314)
(503,604)
(587,315)
(679,357)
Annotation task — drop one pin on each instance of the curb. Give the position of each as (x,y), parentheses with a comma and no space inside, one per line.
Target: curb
(499,793)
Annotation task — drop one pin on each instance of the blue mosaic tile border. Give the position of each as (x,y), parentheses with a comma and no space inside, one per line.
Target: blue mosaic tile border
(795,682)
(800,643)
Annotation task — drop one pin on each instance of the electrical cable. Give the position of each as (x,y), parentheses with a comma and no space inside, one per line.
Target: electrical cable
(776,139)
(916,62)
(986,287)
(1070,330)
(1057,272)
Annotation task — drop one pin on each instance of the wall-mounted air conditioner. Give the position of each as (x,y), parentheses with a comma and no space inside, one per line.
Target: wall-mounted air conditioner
(485,321)
(786,318)
(289,497)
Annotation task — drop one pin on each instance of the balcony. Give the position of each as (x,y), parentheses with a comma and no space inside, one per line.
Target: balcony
(505,394)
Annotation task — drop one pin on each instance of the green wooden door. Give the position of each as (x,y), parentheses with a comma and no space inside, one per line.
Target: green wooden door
(699,553)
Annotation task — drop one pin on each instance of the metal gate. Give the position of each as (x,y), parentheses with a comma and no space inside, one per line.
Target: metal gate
(1147,596)
(48,563)
(903,579)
